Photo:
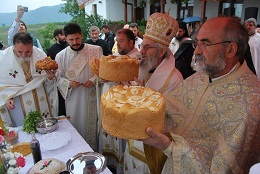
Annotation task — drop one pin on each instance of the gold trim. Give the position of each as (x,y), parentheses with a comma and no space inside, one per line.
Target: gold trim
(36,100)
(81,59)
(22,105)
(168,81)
(47,100)
(135,152)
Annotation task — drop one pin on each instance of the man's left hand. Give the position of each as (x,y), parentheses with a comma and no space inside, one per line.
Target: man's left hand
(50,74)
(89,84)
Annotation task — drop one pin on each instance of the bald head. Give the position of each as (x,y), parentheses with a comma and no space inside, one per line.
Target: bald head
(222,42)
(226,29)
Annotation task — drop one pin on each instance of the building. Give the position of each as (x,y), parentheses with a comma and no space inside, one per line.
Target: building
(132,10)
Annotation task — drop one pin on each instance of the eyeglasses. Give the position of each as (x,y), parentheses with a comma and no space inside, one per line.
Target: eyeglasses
(202,45)
(145,47)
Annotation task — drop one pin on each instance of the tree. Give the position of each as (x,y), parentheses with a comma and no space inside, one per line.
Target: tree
(80,17)
(47,33)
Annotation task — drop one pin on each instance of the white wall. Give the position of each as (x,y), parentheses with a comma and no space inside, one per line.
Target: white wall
(173,9)
(111,9)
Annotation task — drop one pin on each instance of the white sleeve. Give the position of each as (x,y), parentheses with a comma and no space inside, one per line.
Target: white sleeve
(12,31)
(39,44)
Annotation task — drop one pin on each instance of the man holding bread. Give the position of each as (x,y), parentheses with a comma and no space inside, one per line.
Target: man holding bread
(109,145)
(157,71)
(23,88)
(212,123)
(76,82)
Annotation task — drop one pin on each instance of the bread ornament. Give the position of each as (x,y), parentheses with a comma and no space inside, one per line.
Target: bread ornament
(48,166)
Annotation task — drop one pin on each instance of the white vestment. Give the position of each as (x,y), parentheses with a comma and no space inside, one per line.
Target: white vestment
(138,42)
(254,43)
(175,44)
(165,78)
(110,146)
(81,101)
(38,94)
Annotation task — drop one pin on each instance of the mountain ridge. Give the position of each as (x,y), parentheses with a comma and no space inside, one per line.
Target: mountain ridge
(41,15)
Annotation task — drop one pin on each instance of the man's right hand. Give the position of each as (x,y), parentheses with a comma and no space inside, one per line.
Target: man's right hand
(75,84)
(157,139)
(10,104)
(20,12)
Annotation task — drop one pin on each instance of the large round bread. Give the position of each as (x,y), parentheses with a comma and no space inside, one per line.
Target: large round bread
(118,68)
(127,111)
(54,166)
(46,64)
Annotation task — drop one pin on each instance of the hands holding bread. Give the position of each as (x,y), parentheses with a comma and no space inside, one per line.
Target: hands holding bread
(157,139)
(50,74)
(48,65)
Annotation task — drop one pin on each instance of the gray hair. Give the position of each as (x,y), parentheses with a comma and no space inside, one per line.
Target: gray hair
(94,28)
(234,31)
(251,20)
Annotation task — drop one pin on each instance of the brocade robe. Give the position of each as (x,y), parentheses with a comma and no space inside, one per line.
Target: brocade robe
(215,126)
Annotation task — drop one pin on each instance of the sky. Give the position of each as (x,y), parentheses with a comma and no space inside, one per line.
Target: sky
(9,6)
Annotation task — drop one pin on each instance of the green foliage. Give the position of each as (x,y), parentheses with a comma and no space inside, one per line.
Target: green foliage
(44,32)
(47,34)
(78,16)
(30,120)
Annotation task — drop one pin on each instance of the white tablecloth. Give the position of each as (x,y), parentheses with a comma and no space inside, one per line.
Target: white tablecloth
(76,145)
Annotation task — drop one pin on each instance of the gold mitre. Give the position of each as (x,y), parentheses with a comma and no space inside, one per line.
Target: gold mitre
(161,28)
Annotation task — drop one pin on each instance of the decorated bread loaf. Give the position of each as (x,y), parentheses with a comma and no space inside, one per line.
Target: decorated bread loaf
(48,166)
(127,111)
(115,68)
(46,64)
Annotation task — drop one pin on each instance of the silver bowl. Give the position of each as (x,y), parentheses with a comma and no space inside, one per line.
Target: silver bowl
(86,162)
(46,125)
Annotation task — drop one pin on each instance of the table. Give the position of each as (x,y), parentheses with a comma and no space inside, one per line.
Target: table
(76,145)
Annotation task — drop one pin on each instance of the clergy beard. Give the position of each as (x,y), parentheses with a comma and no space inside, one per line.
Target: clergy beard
(21,60)
(147,66)
(62,42)
(211,70)
(123,51)
(179,38)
